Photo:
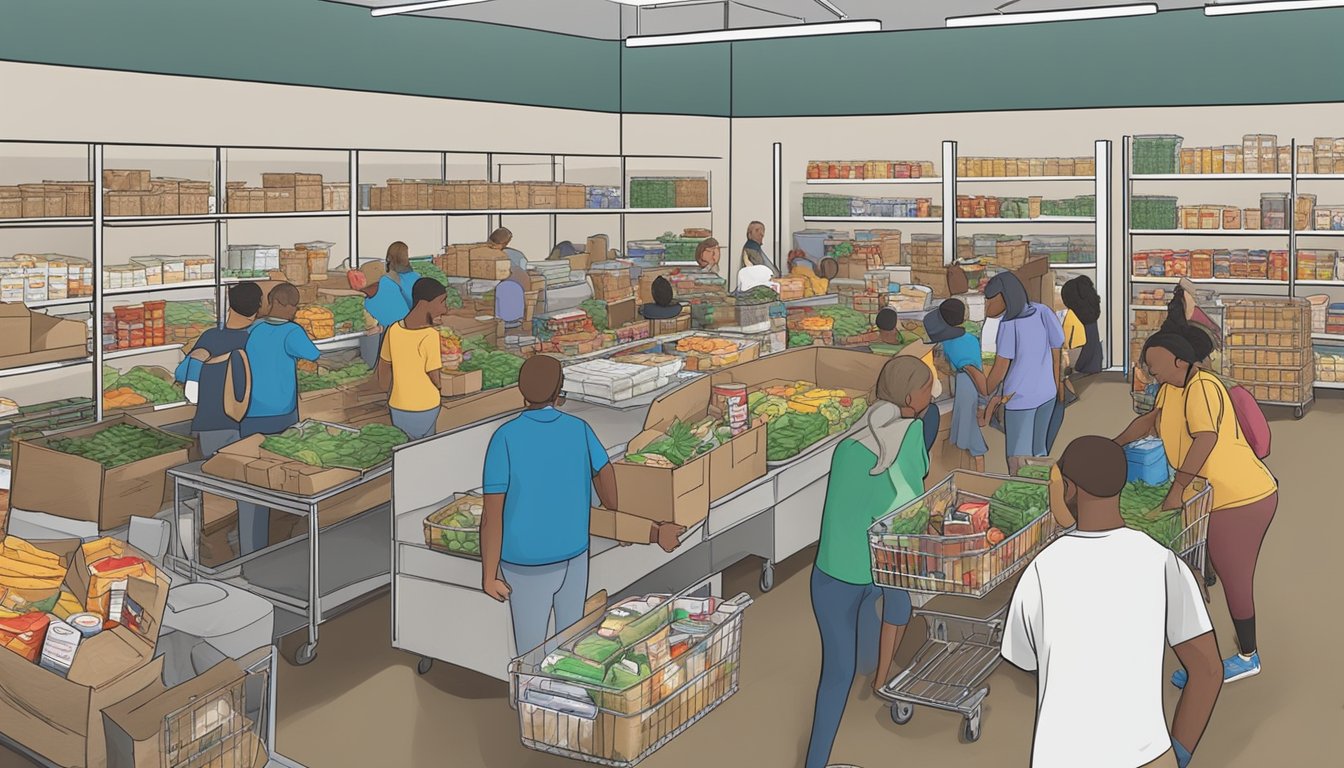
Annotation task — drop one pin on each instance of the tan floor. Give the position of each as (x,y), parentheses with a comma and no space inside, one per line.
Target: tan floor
(362,704)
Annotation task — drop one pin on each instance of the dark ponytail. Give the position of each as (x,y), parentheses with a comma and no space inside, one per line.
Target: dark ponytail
(1080,296)
(1187,342)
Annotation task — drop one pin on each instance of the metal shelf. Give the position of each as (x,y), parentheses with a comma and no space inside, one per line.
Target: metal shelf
(879,219)
(157,288)
(214,217)
(1329,384)
(39,368)
(1211,232)
(59,302)
(1207,281)
(1336,283)
(55,221)
(118,354)
(1037,220)
(335,340)
(1320,233)
(1074,265)
(880,182)
(1327,337)
(1022,179)
(1213,177)
(534,212)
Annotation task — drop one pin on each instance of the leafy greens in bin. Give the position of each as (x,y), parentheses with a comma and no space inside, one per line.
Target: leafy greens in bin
(120,444)
(1016,504)
(319,445)
(1141,507)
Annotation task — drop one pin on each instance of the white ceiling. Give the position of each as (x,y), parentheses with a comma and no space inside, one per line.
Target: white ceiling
(609,20)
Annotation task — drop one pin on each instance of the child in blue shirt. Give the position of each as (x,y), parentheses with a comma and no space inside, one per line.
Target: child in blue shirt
(962,350)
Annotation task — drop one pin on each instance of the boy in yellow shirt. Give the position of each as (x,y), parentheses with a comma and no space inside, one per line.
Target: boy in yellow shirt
(409,363)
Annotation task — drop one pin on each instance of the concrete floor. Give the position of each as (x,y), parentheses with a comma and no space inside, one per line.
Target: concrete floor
(362,704)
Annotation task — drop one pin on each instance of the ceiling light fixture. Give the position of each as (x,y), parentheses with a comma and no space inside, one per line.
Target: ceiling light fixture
(1267,6)
(393,10)
(1037,17)
(756,33)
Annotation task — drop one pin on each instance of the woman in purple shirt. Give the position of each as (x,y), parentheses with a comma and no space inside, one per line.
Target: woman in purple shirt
(1028,366)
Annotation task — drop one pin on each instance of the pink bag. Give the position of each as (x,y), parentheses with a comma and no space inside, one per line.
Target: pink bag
(1251,420)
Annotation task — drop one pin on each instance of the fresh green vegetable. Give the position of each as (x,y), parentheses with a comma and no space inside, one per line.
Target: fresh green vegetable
(677,446)
(597,311)
(800,339)
(913,519)
(973,328)
(348,312)
(597,648)
(152,388)
(847,321)
(1016,504)
(312,382)
(788,434)
(181,313)
(498,369)
(761,294)
(1141,508)
(1035,472)
(120,444)
(321,446)
(843,250)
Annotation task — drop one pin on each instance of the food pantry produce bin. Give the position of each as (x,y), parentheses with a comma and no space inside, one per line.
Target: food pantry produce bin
(621,724)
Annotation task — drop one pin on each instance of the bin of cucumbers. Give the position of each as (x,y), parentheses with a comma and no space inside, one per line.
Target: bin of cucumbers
(848,322)
(498,369)
(333,446)
(120,444)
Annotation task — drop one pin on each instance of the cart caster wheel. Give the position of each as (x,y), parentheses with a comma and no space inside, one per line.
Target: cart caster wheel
(305,654)
(901,712)
(424,666)
(767,577)
(970,730)
(1210,580)
(1299,412)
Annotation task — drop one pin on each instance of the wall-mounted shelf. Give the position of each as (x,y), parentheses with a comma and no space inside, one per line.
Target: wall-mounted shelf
(55,221)
(194,285)
(119,354)
(1023,179)
(1037,220)
(538,212)
(1213,177)
(875,182)
(877,219)
(1074,265)
(1209,232)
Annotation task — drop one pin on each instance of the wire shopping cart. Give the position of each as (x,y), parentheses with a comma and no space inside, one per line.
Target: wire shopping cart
(619,725)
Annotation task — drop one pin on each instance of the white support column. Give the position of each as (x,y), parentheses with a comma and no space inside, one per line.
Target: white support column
(949,188)
(354,209)
(97,331)
(1102,189)
(777,190)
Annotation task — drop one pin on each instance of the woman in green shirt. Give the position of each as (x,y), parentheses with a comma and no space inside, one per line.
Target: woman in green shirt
(872,474)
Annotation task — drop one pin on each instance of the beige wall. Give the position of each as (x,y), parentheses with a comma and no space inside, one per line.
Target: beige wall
(1044,133)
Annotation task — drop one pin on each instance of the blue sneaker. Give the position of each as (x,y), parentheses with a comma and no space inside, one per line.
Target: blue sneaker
(1234,668)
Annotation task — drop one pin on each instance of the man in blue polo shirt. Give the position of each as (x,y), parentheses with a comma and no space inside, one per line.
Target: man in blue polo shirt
(540,472)
(275,345)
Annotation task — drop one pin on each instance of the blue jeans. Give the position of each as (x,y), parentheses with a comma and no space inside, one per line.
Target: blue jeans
(536,590)
(1026,433)
(254,520)
(847,617)
(931,419)
(416,424)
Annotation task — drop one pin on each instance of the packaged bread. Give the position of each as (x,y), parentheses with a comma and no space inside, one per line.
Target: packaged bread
(30,578)
(109,570)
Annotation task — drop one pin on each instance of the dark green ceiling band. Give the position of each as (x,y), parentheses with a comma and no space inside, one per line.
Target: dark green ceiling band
(1174,58)
(307,42)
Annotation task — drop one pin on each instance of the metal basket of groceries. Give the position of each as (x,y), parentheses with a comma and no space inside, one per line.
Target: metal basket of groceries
(621,683)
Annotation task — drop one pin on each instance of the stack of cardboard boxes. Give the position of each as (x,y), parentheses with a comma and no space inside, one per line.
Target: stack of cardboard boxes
(47,199)
(439,195)
(136,193)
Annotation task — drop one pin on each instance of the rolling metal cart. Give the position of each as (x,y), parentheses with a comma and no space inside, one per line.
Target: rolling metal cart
(289,574)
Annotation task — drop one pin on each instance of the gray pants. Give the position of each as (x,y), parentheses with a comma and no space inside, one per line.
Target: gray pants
(537,589)
(1026,432)
(213,439)
(416,424)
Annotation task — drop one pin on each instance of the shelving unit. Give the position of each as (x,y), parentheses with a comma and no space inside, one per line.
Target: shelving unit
(222,165)
(1290,237)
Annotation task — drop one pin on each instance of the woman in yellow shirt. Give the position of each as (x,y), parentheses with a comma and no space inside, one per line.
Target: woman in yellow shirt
(410,362)
(1197,424)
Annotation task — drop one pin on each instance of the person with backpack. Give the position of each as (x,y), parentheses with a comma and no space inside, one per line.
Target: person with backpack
(389,300)
(275,345)
(218,357)
(410,363)
(1200,425)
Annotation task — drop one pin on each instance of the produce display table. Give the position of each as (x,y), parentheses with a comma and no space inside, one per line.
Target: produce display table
(289,575)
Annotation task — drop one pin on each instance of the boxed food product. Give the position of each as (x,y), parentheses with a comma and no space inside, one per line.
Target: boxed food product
(31,338)
(60,716)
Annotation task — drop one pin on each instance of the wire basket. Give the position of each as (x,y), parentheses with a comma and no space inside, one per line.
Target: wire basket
(1143,402)
(453,539)
(956,565)
(620,727)
(222,728)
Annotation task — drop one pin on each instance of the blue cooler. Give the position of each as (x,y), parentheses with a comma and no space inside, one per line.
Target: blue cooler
(1147,462)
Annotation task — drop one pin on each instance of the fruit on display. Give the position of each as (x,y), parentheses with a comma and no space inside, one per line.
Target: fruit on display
(318,321)
(847,321)
(835,410)
(320,445)
(816,323)
(119,444)
(707,345)
(122,397)
(597,312)
(155,388)
(313,382)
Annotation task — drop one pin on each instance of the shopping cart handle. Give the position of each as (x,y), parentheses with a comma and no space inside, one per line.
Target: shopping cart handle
(742,600)
(515,667)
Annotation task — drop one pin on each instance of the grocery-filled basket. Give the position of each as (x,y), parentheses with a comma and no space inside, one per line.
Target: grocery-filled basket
(908,553)
(222,728)
(447,528)
(571,704)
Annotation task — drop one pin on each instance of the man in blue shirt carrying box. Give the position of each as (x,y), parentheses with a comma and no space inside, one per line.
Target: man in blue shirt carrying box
(540,472)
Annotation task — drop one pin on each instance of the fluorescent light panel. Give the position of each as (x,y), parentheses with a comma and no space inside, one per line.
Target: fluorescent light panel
(756,33)
(1234,9)
(1037,17)
(393,10)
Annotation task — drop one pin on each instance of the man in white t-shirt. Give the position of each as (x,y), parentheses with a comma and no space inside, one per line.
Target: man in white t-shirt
(1092,616)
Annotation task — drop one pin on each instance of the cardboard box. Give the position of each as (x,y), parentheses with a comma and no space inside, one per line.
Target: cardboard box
(136,732)
(60,718)
(246,461)
(459,383)
(677,495)
(621,313)
(16,329)
(116,180)
(269,180)
(87,490)
(679,324)
(471,409)
(1035,276)
(279,200)
(494,269)
(467,324)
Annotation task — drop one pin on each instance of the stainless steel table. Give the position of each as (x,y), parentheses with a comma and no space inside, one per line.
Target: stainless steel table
(277,573)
